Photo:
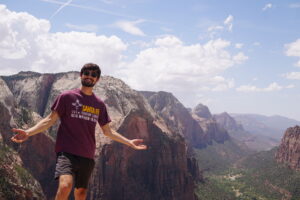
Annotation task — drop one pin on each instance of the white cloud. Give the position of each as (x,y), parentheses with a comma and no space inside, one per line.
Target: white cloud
(215,28)
(173,66)
(239,45)
(267,6)
(27,44)
(240,58)
(256,44)
(168,41)
(290,86)
(221,84)
(228,22)
(247,88)
(204,99)
(292,75)
(293,49)
(270,88)
(86,27)
(273,87)
(130,27)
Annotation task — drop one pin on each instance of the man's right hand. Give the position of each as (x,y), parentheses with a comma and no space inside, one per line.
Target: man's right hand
(20,137)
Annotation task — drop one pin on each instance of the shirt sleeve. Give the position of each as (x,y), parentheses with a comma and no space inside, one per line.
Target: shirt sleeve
(103,117)
(59,105)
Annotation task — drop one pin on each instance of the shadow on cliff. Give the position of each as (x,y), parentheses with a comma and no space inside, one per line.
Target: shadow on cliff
(160,172)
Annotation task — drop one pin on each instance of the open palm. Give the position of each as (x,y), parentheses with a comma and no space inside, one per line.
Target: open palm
(138,144)
(20,137)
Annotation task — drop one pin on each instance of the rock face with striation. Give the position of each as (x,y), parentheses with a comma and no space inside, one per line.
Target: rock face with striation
(30,89)
(202,111)
(289,149)
(228,122)
(177,117)
(15,181)
(212,130)
(164,171)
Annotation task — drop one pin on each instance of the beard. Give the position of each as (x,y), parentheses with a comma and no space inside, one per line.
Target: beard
(86,83)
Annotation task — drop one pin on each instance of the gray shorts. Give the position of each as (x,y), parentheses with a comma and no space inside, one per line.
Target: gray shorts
(79,167)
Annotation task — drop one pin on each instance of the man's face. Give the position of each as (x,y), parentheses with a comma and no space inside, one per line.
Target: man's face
(89,78)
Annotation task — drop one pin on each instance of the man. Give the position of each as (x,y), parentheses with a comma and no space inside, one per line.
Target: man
(78,110)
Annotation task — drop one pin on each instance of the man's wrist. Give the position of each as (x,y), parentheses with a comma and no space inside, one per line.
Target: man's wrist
(130,144)
(28,133)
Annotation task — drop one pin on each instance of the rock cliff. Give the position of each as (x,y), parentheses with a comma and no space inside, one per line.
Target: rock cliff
(228,122)
(289,149)
(246,138)
(16,182)
(161,172)
(164,171)
(177,117)
(212,130)
(202,111)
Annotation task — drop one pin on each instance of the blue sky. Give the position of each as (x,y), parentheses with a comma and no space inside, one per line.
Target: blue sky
(233,56)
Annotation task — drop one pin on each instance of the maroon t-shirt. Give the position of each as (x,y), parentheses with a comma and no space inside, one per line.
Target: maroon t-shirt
(78,114)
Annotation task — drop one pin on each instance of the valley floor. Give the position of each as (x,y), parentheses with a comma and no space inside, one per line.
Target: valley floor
(254,177)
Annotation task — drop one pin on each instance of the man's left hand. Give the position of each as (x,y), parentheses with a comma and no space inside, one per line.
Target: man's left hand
(138,144)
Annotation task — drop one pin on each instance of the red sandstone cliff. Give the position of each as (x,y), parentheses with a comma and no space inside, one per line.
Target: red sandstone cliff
(289,149)
(177,117)
(161,172)
(212,130)
(164,171)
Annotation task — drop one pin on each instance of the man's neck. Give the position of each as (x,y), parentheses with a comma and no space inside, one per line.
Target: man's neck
(87,90)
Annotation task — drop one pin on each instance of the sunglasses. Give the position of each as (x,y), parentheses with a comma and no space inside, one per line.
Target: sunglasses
(90,73)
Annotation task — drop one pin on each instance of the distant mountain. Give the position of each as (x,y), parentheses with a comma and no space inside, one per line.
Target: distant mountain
(260,125)
(237,131)
(202,111)
(212,130)
(228,122)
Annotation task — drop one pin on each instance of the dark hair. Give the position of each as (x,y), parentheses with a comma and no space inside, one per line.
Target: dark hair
(93,67)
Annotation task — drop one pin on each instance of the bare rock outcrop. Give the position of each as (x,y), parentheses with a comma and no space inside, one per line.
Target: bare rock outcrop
(31,89)
(177,117)
(202,111)
(289,149)
(212,130)
(161,172)
(164,171)
(16,182)
(228,122)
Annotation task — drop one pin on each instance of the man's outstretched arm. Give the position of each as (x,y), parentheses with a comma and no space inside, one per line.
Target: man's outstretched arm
(112,134)
(44,124)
